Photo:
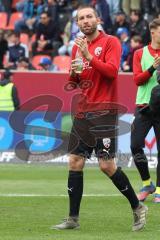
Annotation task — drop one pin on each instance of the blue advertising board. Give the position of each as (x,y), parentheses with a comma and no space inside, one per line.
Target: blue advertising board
(29,127)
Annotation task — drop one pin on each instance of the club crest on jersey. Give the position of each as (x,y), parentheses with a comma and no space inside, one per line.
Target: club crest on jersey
(106,142)
(98,51)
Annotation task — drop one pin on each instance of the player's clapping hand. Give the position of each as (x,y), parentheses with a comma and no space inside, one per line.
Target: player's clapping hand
(156,61)
(82,45)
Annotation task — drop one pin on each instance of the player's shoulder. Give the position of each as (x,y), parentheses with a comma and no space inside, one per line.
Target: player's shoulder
(110,37)
(139,52)
(112,40)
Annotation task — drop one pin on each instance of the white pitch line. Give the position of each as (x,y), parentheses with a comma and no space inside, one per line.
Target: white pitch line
(60,195)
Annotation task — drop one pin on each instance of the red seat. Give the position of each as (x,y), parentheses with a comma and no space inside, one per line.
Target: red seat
(63,62)
(3,19)
(36,60)
(13,19)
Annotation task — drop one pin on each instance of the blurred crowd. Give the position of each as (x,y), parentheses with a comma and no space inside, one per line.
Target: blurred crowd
(39,34)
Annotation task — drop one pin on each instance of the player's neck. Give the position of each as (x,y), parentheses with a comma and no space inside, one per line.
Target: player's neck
(93,36)
(155,45)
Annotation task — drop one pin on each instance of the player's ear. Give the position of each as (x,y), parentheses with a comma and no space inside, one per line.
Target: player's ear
(99,20)
(77,21)
(152,32)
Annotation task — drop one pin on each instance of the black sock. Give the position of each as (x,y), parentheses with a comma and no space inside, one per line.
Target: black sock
(75,191)
(121,181)
(141,163)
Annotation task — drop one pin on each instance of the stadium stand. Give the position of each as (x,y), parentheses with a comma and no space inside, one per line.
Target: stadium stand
(13,18)
(36,60)
(14,3)
(3,20)
(63,62)
(114,14)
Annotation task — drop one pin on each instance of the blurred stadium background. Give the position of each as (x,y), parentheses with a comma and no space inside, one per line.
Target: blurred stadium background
(33,193)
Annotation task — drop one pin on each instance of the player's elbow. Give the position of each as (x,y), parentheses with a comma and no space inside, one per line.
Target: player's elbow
(111,72)
(137,81)
(114,75)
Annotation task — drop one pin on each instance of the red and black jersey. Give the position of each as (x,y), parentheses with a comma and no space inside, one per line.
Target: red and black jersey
(102,73)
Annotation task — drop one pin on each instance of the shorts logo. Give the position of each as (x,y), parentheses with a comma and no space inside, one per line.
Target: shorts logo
(107,142)
(98,51)
(104,150)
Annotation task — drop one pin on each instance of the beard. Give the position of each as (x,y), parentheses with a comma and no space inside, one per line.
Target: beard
(88,30)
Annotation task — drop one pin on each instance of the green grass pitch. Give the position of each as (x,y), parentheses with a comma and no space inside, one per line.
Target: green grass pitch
(34,197)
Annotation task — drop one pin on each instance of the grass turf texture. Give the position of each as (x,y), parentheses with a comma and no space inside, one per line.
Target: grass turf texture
(102,217)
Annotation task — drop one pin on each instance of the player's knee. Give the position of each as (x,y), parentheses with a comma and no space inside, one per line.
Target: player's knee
(136,145)
(138,154)
(107,167)
(135,148)
(76,163)
(104,168)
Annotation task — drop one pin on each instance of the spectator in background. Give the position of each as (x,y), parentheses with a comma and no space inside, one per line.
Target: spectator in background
(150,9)
(127,5)
(62,3)
(3,47)
(52,8)
(75,4)
(114,8)
(24,64)
(146,8)
(20,5)
(15,50)
(6,6)
(1,7)
(9,100)
(135,44)
(158,15)
(87,2)
(31,13)
(120,22)
(139,26)
(156,6)
(123,35)
(102,8)
(47,35)
(71,31)
(47,65)
(64,10)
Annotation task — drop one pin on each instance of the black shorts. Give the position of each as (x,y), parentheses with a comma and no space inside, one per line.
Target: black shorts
(96,132)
